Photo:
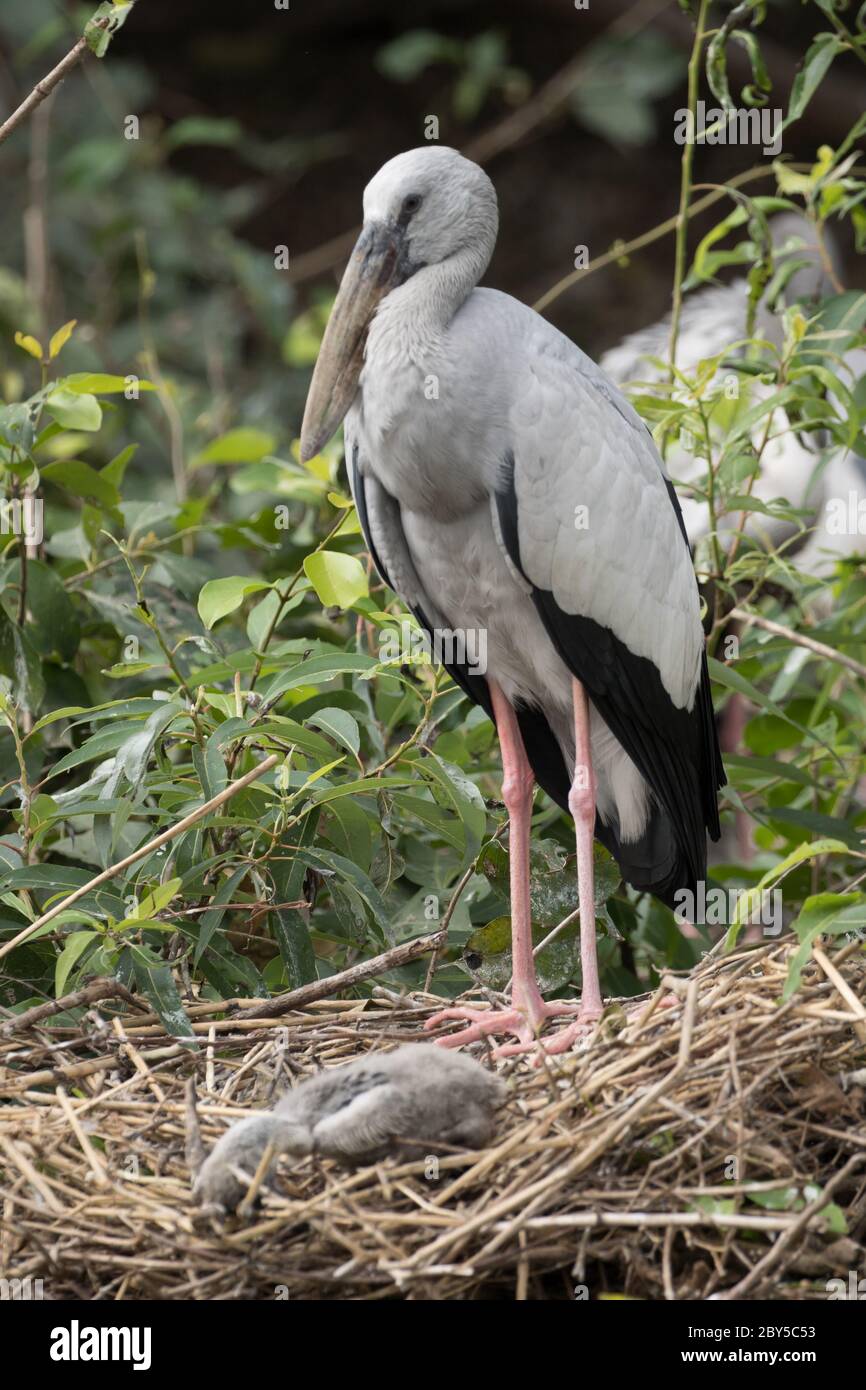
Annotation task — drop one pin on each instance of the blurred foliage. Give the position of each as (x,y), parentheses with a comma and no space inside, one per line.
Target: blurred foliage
(200,599)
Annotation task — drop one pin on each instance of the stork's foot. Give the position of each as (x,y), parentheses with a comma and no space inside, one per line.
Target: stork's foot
(525,1025)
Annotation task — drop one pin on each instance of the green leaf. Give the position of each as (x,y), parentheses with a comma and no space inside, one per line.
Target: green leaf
(823,913)
(303,339)
(727,676)
(751,899)
(103,384)
(337,579)
(155,980)
(328,864)
(815,65)
(104,24)
(237,446)
(82,480)
(211,919)
(291,925)
(76,942)
(59,880)
(153,902)
(203,130)
(53,624)
(19,660)
(74,410)
(219,597)
(406,57)
(264,613)
(455,791)
(340,726)
(553,897)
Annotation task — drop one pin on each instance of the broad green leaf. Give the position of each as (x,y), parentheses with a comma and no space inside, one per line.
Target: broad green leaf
(74,410)
(19,660)
(57,881)
(219,597)
(263,615)
(337,579)
(154,901)
(81,480)
(319,670)
(53,624)
(553,897)
(339,725)
(237,446)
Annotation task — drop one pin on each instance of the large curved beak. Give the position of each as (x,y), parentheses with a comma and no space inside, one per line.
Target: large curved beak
(376,266)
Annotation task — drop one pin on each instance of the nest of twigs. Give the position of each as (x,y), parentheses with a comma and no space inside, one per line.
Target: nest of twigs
(715,1145)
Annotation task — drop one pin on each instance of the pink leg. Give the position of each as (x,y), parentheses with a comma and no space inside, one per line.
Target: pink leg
(528,1010)
(581,803)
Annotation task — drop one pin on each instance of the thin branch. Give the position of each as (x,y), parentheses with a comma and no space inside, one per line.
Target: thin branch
(688,160)
(639,243)
(799,639)
(167,835)
(43,89)
(344,979)
(90,994)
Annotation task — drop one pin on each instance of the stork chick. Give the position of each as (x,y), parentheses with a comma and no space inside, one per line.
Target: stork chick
(381,1103)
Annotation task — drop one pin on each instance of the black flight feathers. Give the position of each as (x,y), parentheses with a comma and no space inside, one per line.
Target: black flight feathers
(676,751)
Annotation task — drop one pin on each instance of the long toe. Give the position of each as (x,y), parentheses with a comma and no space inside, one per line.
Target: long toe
(483,1023)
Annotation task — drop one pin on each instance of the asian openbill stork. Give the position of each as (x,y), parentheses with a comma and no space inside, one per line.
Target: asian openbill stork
(503,483)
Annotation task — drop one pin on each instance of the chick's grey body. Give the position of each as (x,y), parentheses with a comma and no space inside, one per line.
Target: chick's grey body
(360,1112)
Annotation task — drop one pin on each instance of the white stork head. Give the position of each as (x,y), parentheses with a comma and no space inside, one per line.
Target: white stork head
(425,209)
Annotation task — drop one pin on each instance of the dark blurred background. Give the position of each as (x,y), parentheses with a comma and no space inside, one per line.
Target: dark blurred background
(260,126)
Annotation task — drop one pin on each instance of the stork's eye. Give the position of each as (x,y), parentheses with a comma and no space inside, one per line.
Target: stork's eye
(411,204)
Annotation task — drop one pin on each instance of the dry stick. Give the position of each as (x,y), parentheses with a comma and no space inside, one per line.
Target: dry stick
(320,989)
(167,835)
(94,1161)
(36,1179)
(74,1071)
(819,648)
(844,989)
(101,989)
(43,89)
(765,1264)
(194,1151)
